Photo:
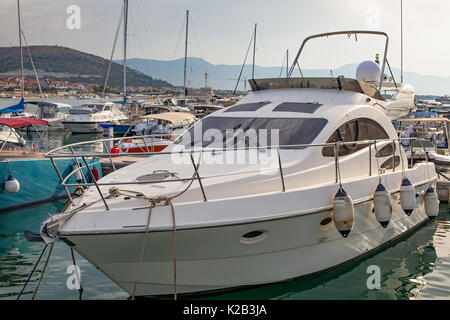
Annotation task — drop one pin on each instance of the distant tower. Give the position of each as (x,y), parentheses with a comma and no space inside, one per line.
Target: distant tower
(206,79)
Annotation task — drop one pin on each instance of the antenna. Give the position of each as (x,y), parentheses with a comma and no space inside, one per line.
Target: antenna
(287,62)
(254,50)
(22,83)
(185,51)
(206,74)
(401,41)
(125,29)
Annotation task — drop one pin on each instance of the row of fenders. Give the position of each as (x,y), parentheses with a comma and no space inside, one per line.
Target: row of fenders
(344,212)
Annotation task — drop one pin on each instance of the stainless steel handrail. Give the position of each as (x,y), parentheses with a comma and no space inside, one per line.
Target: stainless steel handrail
(53,154)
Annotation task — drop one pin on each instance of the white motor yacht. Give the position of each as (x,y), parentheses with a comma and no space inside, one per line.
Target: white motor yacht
(87,118)
(285,183)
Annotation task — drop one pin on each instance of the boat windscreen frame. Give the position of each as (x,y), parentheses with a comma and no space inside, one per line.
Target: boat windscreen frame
(349,33)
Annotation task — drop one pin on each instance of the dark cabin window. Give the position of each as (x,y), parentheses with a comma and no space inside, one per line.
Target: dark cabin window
(388,163)
(246,106)
(303,107)
(387,150)
(291,131)
(354,130)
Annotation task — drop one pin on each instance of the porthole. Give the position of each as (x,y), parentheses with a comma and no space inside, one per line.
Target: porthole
(326,222)
(253,237)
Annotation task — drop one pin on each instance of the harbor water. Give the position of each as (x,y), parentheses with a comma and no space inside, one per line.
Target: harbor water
(416,266)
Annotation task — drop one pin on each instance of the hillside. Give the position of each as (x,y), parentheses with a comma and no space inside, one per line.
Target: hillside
(55,62)
(220,75)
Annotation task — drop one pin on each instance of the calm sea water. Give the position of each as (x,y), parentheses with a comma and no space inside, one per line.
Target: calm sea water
(414,267)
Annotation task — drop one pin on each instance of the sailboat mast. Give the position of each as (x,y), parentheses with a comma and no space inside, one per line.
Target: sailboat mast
(22,82)
(185,50)
(125,29)
(254,51)
(401,40)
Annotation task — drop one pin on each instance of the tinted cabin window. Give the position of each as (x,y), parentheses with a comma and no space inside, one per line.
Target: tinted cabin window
(354,130)
(247,106)
(385,151)
(229,132)
(388,163)
(303,107)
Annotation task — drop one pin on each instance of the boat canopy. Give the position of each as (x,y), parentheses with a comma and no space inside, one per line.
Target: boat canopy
(340,83)
(49,104)
(172,117)
(17,108)
(22,122)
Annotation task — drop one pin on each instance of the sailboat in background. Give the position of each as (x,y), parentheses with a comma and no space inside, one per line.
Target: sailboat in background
(19,107)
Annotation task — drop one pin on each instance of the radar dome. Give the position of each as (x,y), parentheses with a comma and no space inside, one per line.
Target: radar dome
(368,71)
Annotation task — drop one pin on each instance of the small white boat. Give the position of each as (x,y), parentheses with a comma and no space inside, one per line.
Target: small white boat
(88,117)
(163,128)
(9,136)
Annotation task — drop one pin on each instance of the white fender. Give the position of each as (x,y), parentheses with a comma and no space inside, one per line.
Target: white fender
(382,205)
(12,185)
(343,212)
(77,173)
(431,203)
(407,196)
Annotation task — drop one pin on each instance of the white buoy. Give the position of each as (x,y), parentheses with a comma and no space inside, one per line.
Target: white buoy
(382,204)
(75,166)
(407,196)
(12,185)
(343,212)
(431,203)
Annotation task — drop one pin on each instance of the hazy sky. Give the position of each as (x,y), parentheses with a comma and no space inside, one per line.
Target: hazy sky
(220,31)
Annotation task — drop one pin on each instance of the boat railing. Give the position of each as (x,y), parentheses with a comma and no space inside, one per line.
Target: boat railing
(68,151)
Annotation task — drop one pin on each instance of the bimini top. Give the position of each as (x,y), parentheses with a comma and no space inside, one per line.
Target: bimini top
(22,122)
(340,83)
(48,104)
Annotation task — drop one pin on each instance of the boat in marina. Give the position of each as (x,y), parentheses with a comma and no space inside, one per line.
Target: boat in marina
(433,142)
(52,112)
(88,117)
(300,176)
(8,136)
(26,176)
(162,129)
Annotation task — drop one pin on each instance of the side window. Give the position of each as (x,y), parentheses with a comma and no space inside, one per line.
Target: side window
(107,108)
(387,150)
(354,130)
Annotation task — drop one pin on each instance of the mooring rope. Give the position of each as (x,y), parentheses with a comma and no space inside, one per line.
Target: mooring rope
(43,271)
(401,157)
(32,271)
(76,271)
(154,202)
(338,168)
(426,161)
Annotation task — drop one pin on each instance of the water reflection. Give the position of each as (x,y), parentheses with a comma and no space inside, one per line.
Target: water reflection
(414,267)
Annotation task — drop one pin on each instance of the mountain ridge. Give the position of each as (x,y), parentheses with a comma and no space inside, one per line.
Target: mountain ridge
(67,64)
(220,76)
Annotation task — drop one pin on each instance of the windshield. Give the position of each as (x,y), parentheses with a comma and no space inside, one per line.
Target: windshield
(239,132)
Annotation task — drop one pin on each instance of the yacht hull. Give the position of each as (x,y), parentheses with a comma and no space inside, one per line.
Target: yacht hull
(83,127)
(217,258)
